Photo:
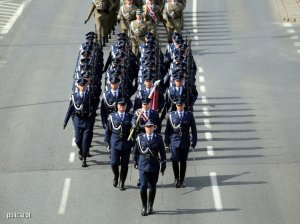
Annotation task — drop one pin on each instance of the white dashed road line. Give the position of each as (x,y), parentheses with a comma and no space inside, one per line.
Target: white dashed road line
(205,111)
(194,13)
(201,78)
(287,24)
(15,10)
(200,69)
(74,143)
(297,44)
(216,191)
(203,99)
(208,136)
(202,89)
(210,151)
(72,157)
(64,198)
(290,31)
(207,123)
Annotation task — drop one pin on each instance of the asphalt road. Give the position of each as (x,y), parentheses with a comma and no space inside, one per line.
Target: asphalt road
(246,166)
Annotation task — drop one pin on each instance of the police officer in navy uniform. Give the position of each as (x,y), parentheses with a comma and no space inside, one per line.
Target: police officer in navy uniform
(116,134)
(110,98)
(83,111)
(146,114)
(177,138)
(149,146)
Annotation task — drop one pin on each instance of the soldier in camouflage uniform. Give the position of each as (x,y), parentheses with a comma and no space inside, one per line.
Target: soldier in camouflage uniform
(152,15)
(101,9)
(172,14)
(138,29)
(126,15)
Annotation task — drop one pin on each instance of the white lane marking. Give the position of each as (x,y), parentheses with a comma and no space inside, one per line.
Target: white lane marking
(207,123)
(287,24)
(195,13)
(210,151)
(72,157)
(8,9)
(200,69)
(205,111)
(9,3)
(208,136)
(216,191)
(196,37)
(195,30)
(295,37)
(6,16)
(201,78)
(64,197)
(203,99)
(202,89)
(5,12)
(290,31)
(74,143)
(14,18)
(297,44)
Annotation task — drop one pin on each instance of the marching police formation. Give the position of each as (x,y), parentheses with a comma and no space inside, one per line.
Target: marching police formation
(141,87)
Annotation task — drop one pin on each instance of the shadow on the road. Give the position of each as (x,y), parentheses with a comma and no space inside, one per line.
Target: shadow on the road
(192,211)
(230,149)
(192,158)
(227,131)
(97,163)
(201,182)
(34,104)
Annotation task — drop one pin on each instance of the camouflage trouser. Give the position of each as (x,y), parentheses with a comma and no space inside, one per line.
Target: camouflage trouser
(101,26)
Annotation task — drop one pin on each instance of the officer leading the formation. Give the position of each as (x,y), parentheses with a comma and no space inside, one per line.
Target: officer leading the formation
(149,146)
(177,138)
(116,134)
(138,29)
(83,112)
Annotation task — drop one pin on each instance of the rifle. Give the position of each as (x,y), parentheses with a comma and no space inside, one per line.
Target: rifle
(134,128)
(189,69)
(157,57)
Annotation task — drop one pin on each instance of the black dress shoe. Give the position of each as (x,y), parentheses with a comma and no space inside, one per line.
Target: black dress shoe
(122,187)
(177,183)
(79,156)
(150,209)
(182,184)
(138,183)
(144,211)
(84,163)
(115,182)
